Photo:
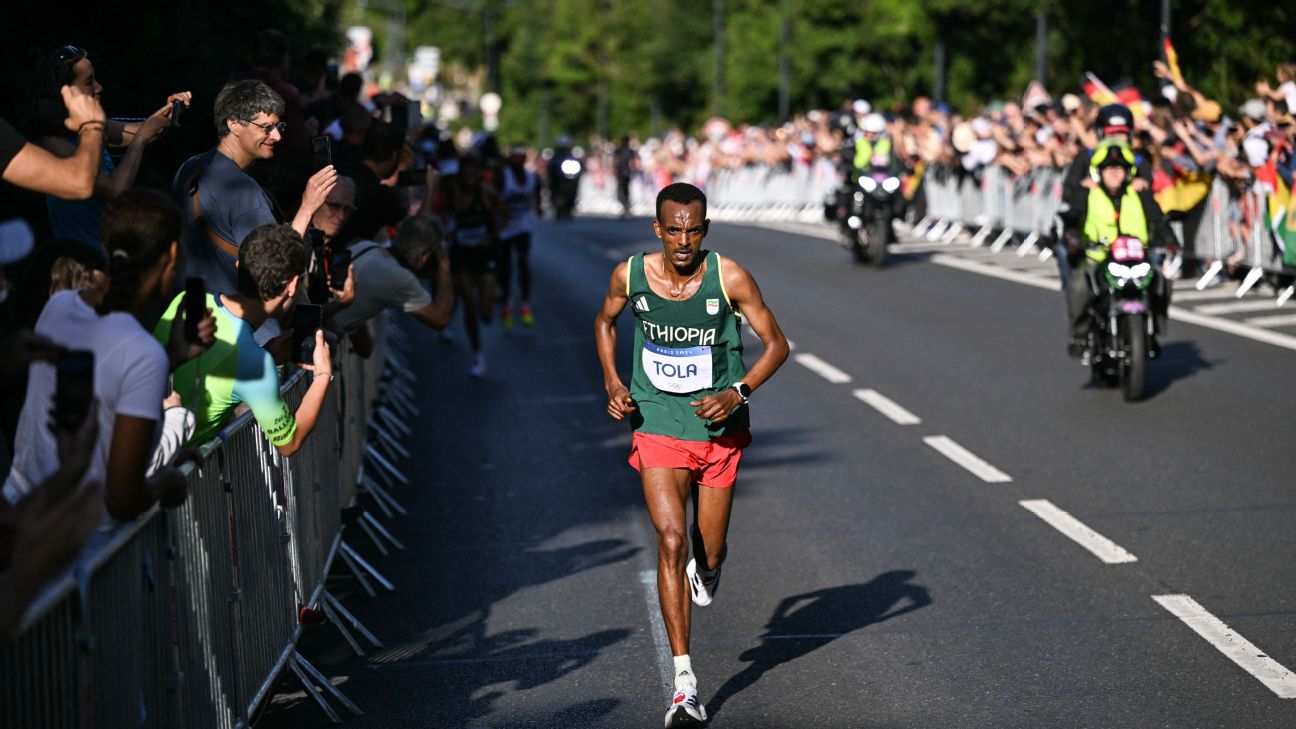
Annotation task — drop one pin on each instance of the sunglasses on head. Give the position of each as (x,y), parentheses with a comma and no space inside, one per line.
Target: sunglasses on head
(65,57)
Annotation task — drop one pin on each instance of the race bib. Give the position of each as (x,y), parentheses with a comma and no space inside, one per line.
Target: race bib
(677,370)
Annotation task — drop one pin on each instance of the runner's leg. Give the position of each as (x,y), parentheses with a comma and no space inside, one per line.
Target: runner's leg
(486,296)
(711,510)
(666,494)
(522,244)
(467,292)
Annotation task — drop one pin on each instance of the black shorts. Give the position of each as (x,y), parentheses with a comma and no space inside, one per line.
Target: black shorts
(472,260)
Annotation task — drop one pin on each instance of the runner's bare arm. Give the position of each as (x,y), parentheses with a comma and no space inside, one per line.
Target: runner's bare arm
(619,402)
(745,295)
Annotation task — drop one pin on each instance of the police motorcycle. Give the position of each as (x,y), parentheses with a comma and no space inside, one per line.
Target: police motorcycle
(564,173)
(1121,320)
(869,197)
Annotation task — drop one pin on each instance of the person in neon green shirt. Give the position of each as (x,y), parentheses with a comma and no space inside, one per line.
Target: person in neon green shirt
(236,369)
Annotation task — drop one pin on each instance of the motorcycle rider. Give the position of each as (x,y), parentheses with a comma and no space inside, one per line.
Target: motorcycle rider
(873,146)
(1114,207)
(1114,123)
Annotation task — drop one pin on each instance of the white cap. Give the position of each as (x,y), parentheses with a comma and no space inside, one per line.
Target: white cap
(874,123)
(861,107)
(1257,151)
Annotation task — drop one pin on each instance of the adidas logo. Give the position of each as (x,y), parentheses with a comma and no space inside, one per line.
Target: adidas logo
(641,304)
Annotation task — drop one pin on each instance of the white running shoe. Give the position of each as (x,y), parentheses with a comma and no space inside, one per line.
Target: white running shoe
(478,369)
(685,709)
(703,592)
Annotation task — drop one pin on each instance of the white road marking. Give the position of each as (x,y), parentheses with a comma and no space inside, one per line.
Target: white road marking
(822,368)
(887,407)
(1232,327)
(1240,650)
(1276,320)
(648,578)
(1237,307)
(1102,547)
(966,459)
(1190,293)
(994,271)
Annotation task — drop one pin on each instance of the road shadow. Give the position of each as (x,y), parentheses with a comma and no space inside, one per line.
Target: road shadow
(804,623)
(1179,360)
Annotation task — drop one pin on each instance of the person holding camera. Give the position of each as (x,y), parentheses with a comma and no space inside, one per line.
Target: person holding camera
(238,370)
(71,66)
(389,279)
(380,206)
(222,204)
(116,362)
(30,167)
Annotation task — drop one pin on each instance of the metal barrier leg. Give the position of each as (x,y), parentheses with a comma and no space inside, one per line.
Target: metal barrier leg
(1210,275)
(351,619)
(400,404)
(370,519)
(382,548)
(1045,254)
(937,231)
(954,231)
(378,577)
(388,503)
(390,418)
(386,465)
(1254,275)
(1027,244)
(400,368)
(1285,295)
(979,239)
(1002,240)
(358,574)
(326,684)
(337,622)
(390,441)
(311,690)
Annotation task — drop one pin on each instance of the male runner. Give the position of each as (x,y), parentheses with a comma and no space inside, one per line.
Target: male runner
(687,402)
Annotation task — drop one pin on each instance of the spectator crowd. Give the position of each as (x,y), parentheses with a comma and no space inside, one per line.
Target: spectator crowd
(151,318)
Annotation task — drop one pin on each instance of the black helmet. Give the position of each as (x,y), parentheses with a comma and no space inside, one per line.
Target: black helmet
(1115,118)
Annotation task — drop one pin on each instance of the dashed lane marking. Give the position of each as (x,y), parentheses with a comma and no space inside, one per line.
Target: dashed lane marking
(648,578)
(887,407)
(966,459)
(822,368)
(1102,547)
(1239,650)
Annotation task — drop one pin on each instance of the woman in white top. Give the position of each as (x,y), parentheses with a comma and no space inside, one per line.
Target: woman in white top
(141,230)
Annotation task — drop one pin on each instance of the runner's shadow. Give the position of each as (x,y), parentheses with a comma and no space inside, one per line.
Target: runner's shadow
(803,623)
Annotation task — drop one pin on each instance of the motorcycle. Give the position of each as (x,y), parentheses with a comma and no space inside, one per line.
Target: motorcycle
(1120,314)
(564,185)
(870,202)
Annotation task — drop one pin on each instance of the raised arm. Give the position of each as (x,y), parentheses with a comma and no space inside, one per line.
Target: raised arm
(619,402)
(746,296)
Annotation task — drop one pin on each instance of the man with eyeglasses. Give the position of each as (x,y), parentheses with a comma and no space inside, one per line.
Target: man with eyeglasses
(221,202)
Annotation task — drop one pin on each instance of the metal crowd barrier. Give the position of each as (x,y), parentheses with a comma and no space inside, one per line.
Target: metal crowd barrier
(992,203)
(1233,231)
(751,193)
(187,617)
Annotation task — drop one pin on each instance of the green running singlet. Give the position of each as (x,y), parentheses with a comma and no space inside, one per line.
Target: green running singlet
(684,350)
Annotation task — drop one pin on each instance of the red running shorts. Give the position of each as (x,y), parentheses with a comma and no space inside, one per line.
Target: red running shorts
(713,464)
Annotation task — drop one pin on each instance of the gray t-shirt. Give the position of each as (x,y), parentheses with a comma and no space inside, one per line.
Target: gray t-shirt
(381,282)
(232,205)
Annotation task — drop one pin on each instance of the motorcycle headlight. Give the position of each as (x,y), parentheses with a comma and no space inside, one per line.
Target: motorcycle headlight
(891,184)
(1119,271)
(1121,275)
(570,167)
(868,183)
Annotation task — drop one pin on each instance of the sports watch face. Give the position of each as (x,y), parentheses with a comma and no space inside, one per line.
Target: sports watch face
(743,390)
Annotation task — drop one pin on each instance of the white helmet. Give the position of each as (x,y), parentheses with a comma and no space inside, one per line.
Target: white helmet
(861,107)
(874,123)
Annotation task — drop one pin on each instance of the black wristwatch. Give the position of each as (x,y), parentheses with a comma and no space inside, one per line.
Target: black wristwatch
(743,391)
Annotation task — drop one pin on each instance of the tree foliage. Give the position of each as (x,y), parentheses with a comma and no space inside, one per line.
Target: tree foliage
(633,65)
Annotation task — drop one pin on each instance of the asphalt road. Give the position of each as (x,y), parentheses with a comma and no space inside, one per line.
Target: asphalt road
(872,581)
